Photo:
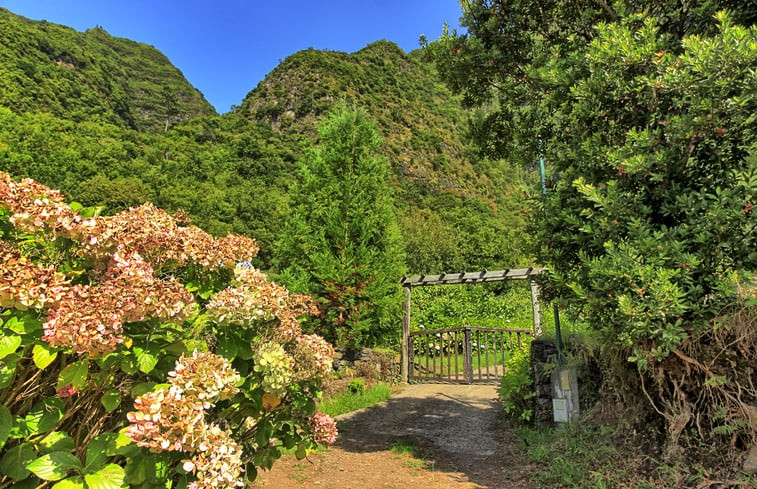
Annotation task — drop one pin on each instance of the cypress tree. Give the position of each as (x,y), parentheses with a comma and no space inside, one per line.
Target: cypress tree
(342,243)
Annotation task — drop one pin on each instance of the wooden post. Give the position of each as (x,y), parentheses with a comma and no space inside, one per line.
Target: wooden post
(405,354)
(536,305)
(468,360)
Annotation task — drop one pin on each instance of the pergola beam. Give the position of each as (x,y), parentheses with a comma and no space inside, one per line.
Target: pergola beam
(471,277)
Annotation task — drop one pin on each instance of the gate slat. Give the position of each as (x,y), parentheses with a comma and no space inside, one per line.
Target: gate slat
(447,345)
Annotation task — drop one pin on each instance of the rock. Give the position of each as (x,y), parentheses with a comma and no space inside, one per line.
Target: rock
(750,464)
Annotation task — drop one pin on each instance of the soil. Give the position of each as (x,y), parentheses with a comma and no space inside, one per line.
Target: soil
(462,444)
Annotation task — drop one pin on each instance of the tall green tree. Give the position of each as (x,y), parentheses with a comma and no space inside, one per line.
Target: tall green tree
(342,244)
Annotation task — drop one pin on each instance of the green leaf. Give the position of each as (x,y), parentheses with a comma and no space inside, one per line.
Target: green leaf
(44,415)
(13,463)
(227,348)
(97,452)
(136,470)
(7,369)
(146,361)
(28,483)
(43,356)
(142,387)
(177,348)
(9,344)
(24,325)
(57,441)
(109,477)
(70,483)
(6,423)
(301,453)
(129,364)
(124,446)
(111,400)
(74,375)
(54,466)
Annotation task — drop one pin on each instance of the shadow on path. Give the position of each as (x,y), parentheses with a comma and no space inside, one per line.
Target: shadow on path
(457,427)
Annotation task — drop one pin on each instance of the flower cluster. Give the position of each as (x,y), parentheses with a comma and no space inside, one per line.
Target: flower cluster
(324,428)
(89,318)
(205,376)
(35,207)
(173,419)
(254,300)
(24,284)
(126,251)
(276,367)
(157,236)
(147,230)
(217,462)
(313,356)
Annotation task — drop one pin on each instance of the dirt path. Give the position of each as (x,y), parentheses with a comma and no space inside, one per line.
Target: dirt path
(456,427)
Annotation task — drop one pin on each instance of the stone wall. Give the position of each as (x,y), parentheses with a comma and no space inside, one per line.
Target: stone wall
(364,362)
(543,360)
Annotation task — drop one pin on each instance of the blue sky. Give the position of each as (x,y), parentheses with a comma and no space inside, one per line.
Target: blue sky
(225,47)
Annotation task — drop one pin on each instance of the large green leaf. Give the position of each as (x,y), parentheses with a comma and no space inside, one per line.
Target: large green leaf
(13,463)
(141,388)
(44,415)
(111,400)
(136,470)
(57,441)
(70,483)
(97,451)
(7,369)
(6,423)
(74,375)
(23,325)
(54,466)
(146,360)
(109,477)
(43,355)
(227,348)
(9,344)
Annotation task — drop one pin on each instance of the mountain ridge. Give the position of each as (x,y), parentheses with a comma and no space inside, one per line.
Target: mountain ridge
(92,75)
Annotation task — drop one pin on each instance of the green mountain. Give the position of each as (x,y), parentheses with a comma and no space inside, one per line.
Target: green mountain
(111,122)
(461,209)
(91,76)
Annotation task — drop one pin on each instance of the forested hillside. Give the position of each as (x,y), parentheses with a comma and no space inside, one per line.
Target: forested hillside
(91,76)
(476,203)
(111,122)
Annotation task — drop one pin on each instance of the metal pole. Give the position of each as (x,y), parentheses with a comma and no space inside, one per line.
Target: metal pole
(555,309)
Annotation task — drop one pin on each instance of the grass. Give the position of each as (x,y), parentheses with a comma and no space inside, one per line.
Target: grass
(409,449)
(349,401)
(580,456)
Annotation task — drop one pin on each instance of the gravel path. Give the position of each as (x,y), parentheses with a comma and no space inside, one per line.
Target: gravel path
(461,443)
(458,419)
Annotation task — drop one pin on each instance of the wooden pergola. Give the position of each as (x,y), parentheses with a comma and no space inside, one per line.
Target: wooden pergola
(465,278)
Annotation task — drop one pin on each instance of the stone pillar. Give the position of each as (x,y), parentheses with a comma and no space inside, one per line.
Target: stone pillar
(543,352)
(565,404)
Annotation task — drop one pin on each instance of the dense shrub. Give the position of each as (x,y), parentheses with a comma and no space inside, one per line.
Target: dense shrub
(136,351)
(516,389)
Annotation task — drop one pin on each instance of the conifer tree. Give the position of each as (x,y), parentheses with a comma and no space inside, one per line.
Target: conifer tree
(342,244)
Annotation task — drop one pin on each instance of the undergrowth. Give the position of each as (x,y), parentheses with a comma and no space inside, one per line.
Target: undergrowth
(591,455)
(356,398)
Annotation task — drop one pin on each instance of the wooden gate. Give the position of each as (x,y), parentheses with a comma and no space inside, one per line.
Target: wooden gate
(424,352)
(462,355)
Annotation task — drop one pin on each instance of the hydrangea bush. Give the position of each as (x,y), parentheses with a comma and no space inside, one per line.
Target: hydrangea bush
(137,350)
